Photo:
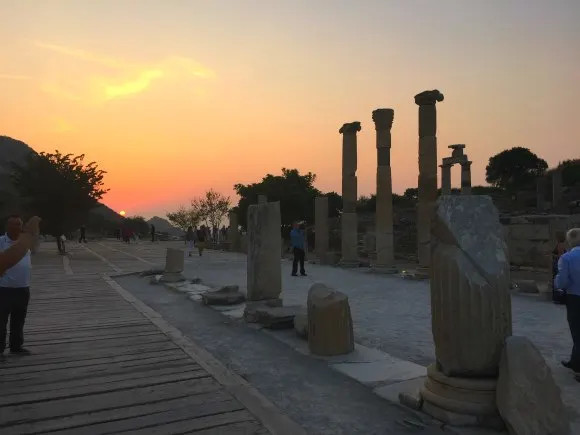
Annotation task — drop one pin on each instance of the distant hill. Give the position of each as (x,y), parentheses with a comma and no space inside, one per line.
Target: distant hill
(164,226)
(15,151)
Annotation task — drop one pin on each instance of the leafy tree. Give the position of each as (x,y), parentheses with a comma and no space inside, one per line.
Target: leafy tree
(514,169)
(60,188)
(184,217)
(570,172)
(137,224)
(295,192)
(213,207)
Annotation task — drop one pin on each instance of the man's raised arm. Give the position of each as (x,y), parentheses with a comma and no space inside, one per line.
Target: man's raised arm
(25,242)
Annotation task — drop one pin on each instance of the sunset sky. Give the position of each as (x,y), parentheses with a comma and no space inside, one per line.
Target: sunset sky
(174,97)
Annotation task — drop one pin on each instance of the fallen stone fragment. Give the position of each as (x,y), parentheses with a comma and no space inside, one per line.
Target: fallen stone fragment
(228,295)
(271,317)
(152,271)
(412,400)
(528,398)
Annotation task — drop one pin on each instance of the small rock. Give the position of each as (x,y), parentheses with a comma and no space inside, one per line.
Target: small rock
(528,398)
(152,271)
(228,295)
(412,400)
(301,323)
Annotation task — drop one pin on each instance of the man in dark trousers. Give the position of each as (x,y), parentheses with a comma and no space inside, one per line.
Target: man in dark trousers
(83,237)
(152,233)
(297,241)
(15,268)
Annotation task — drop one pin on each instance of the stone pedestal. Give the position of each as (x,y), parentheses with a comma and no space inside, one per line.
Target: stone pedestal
(427,184)
(264,247)
(556,187)
(384,241)
(466,178)
(349,221)
(174,263)
(234,232)
(321,227)
(470,309)
(445,179)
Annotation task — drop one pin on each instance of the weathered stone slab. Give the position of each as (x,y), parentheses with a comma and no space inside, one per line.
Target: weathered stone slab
(528,398)
(227,295)
(264,278)
(330,330)
(272,317)
(470,282)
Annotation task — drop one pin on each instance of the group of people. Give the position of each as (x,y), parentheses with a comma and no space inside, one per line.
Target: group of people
(196,238)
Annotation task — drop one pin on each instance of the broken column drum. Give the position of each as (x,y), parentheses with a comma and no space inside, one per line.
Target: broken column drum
(349,221)
(470,309)
(427,184)
(264,279)
(384,241)
(174,264)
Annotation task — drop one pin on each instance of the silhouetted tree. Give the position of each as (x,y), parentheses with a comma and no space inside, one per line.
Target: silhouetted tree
(514,169)
(212,207)
(60,188)
(137,224)
(184,217)
(570,172)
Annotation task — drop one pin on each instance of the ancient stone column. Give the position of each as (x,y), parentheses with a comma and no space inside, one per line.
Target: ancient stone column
(556,187)
(466,178)
(384,242)
(321,227)
(262,199)
(233,232)
(174,263)
(349,221)
(471,313)
(264,280)
(445,179)
(541,193)
(427,185)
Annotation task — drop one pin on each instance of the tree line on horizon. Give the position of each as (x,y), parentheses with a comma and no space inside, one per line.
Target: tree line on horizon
(63,189)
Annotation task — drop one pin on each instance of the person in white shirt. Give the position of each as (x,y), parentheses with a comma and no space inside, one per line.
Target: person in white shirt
(15,282)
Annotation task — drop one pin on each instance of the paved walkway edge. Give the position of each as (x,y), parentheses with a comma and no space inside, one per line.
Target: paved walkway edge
(264,410)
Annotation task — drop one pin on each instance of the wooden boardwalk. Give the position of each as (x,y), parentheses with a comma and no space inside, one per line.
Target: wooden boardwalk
(99,366)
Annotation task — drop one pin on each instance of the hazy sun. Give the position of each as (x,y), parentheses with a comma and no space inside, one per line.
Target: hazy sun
(122,213)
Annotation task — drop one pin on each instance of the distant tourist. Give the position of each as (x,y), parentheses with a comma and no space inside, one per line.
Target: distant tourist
(152,233)
(15,268)
(127,235)
(558,295)
(568,279)
(190,240)
(83,237)
(201,239)
(297,242)
(118,233)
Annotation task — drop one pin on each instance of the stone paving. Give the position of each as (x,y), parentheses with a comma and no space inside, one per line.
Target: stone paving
(390,314)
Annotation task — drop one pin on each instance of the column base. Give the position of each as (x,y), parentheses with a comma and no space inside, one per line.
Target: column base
(384,269)
(461,401)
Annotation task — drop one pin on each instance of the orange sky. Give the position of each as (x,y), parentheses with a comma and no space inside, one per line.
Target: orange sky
(175,97)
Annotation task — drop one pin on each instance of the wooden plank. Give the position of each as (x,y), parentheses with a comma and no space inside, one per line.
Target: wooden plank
(245,428)
(89,387)
(99,332)
(88,341)
(67,406)
(17,370)
(85,420)
(67,327)
(151,422)
(95,370)
(111,343)
(188,426)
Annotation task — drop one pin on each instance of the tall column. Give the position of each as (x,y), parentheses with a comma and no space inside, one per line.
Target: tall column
(233,232)
(384,242)
(264,278)
(321,227)
(556,187)
(445,179)
(466,178)
(349,233)
(427,192)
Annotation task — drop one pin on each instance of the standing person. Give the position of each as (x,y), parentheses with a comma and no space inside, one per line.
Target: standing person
(558,295)
(15,267)
(201,238)
(190,240)
(83,237)
(152,233)
(568,279)
(297,242)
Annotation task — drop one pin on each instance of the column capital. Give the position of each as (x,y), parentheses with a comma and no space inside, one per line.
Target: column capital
(383,118)
(466,164)
(350,128)
(428,98)
(446,165)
